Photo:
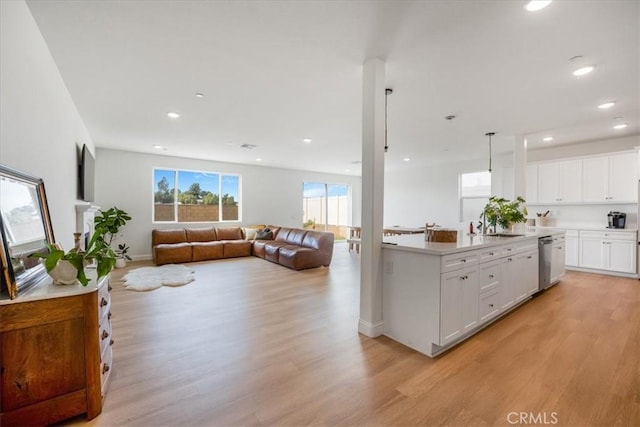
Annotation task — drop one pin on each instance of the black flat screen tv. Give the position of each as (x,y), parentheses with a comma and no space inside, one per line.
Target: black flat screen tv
(87,175)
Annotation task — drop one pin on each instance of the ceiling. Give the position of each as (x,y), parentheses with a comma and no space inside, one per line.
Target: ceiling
(276,72)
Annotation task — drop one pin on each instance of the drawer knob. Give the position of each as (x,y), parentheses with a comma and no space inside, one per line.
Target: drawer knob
(109,288)
(463,260)
(510,259)
(490,253)
(105,335)
(105,368)
(111,342)
(103,302)
(529,257)
(491,276)
(490,305)
(109,316)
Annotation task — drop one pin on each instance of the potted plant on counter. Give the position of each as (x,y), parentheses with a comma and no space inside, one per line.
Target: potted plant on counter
(67,268)
(504,212)
(109,222)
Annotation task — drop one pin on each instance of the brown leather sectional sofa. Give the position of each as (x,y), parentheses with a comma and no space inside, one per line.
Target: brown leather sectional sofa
(295,248)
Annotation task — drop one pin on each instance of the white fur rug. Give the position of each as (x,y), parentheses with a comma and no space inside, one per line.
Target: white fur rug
(149,278)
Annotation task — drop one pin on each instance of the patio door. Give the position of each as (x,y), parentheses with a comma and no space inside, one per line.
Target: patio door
(327,207)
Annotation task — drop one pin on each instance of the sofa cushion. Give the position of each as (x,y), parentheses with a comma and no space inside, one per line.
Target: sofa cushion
(258,248)
(159,237)
(283,234)
(236,248)
(172,253)
(201,234)
(203,251)
(230,233)
(271,250)
(299,258)
(296,236)
(249,233)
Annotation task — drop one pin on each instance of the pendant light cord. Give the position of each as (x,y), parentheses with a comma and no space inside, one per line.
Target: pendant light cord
(387,92)
(489,134)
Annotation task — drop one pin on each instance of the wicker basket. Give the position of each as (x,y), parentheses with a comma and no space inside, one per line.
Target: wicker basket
(543,221)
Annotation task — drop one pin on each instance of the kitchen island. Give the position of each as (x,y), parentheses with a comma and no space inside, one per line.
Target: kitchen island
(436,295)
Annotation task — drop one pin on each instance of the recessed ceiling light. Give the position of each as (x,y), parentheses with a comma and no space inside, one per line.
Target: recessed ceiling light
(173,114)
(159,147)
(258,159)
(307,140)
(406,159)
(621,126)
(535,5)
(199,95)
(356,162)
(547,139)
(248,146)
(347,170)
(582,71)
(606,105)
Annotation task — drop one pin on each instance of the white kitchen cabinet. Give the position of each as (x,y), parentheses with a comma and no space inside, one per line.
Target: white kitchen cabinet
(509,273)
(459,304)
(610,179)
(560,182)
(532,184)
(571,240)
(557,260)
(531,272)
(612,251)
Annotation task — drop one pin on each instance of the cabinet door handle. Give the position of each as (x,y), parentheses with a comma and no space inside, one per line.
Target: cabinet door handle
(529,257)
(509,259)
(508,249)
(109,316)
(103,302)
(490,253)
(105,368)
(463,260)
(491,276)
(111,342)
(490,305)
(105,335)
(109,288)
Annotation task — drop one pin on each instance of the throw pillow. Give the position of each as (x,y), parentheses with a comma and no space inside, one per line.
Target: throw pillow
(250,233)
(264,234)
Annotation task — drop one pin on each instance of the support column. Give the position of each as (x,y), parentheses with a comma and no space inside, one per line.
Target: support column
(520,166)
(373,93)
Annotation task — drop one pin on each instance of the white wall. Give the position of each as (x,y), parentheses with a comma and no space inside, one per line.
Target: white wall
(40,128)
(584,149)
(416,195)
(269,195)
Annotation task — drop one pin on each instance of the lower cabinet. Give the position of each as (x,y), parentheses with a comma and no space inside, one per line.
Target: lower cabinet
(572,247)
(557,261)
(612,251)
(459,304)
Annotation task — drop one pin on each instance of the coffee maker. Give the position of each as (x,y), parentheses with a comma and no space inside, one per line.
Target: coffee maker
(616,219)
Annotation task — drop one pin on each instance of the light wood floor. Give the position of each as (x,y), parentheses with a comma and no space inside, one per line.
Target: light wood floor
(253,343)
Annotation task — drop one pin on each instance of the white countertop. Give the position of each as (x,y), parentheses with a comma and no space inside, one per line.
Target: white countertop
(416,242)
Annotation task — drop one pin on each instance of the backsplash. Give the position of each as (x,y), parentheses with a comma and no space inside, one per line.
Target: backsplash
(585,215)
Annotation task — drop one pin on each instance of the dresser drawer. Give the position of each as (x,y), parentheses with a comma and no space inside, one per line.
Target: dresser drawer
(104,335)
(489,254)
(104,301)
(457,261)
(609,235)
(106,366)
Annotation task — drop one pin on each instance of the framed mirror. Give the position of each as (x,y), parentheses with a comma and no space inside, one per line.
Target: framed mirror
(25,228)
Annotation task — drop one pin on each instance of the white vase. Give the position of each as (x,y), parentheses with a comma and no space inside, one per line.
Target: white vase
(64,273)
(121,263)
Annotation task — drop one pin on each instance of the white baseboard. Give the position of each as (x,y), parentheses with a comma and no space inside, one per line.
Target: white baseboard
(146,257)
(369,329)
(605,272)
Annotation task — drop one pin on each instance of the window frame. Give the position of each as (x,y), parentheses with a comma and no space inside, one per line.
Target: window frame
(462,198)
(176,172)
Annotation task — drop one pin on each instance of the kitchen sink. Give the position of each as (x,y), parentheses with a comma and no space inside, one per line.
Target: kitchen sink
(504,235)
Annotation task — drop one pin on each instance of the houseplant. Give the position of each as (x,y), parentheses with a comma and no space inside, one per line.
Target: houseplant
(504,212)
(109,223)
(121,255)
(64,263)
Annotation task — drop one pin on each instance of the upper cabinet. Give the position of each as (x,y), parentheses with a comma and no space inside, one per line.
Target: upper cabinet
(603,179)
(560,182)
(610,179)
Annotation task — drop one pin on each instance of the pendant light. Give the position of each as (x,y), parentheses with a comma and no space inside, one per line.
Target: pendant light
(387,92)
(489,134)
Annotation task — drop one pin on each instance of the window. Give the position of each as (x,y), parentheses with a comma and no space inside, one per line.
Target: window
(192,196)
(475,190)
(326,207)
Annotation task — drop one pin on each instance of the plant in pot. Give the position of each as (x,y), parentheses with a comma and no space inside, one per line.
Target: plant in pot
(109,222)
(121,255)
(504,212)
(67,268)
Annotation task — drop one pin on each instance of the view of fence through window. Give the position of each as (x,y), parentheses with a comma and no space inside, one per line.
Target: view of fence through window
(327,207)
(191,196)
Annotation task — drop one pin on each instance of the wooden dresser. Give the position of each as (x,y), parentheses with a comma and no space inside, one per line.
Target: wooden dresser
(55,353)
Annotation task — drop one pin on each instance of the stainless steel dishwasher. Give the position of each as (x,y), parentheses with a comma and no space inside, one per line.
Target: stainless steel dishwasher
(544,265)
